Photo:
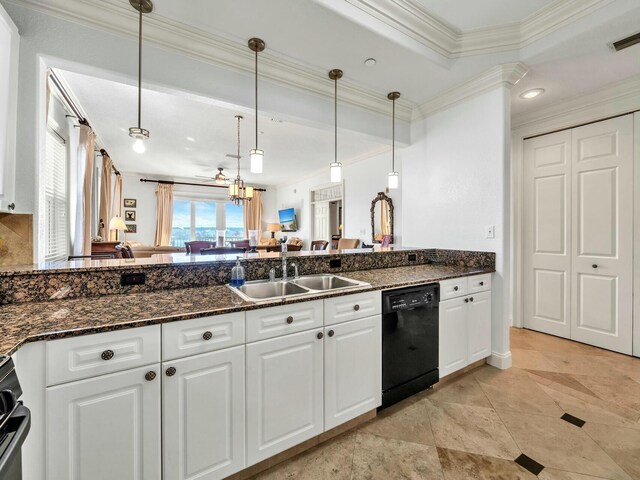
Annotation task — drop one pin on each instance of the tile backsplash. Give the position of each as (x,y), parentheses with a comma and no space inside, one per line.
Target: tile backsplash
(16,239)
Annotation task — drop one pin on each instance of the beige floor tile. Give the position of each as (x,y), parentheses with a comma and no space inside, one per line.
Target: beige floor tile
(471,429)
(622,445)
(464,466)
(622,391)
(551,474)
(380,458)
(557,444)
(409,423)
(464,390)
(330,460)
(513,389)
(530,359)
(583,364)
(546,378)
(549,343)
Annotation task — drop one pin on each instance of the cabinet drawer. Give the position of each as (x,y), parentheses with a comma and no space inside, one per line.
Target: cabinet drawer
(202,335)
(92,355)
(276,321)
(479,283)
(456,287)
(352,307)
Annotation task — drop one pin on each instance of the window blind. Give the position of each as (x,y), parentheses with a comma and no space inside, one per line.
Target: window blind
(56,203)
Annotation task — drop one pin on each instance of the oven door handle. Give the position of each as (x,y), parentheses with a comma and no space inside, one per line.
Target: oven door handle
(13,450)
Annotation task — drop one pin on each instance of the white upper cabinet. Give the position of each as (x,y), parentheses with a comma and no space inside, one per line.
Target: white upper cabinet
(9,53)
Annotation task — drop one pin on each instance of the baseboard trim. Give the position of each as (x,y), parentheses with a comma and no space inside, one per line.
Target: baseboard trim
(500,360)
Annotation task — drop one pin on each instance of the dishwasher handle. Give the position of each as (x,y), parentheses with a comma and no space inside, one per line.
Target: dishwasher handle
(13,451)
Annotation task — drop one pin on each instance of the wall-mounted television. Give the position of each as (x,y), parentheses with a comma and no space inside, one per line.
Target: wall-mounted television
(288,222)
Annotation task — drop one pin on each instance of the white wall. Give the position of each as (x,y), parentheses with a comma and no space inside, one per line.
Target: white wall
(362,182)
(459,185)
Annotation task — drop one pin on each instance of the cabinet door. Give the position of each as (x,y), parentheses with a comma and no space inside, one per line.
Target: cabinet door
(203,415)
(9,53)
(453,335)
(479,326)
(105,428)
(352,370)
(284,393)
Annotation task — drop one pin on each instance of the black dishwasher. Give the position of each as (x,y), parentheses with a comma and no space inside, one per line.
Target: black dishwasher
(15,421)
(409,341)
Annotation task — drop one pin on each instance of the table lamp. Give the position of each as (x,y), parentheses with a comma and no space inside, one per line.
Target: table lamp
(118,224)
(273,228)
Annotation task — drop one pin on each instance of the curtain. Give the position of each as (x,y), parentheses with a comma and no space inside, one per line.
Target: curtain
(104,211)
(116,205)
(253,215)
(385,218)
(164,214)
(83,215)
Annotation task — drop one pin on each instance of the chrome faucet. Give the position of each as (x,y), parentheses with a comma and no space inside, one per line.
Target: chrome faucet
(272,275)
(284,265)
(295,270)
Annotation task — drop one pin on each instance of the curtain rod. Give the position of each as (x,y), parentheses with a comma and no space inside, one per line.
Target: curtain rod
(67,98)
(170,182)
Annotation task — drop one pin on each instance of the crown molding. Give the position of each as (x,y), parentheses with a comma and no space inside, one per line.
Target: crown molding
(116,17)
(412,19)
(614,99)
(506,75)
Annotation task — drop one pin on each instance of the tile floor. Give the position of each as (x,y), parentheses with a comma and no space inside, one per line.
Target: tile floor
(500,424)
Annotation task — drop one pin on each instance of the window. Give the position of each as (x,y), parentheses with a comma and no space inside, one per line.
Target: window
(196,219)
(56,205)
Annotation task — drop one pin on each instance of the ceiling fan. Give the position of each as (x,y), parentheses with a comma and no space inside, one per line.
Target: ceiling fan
(219,178)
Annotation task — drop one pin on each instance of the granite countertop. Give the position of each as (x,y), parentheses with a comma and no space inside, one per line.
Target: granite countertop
(35,321)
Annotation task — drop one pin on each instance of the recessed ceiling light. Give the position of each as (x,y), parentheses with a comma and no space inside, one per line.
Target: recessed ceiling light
(191,139)
(370,62)
(529,94)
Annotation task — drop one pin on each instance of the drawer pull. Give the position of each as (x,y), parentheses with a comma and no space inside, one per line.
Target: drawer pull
(107,355)
(207,335)
(331,333)
(171,371)
(595,265)
(481,284)
(356,307)
(289,320)
(150,376)
(466,300)
(320,335)
(455,289)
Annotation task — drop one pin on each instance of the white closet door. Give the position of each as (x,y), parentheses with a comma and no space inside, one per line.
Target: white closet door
(547,258)
(636,306)
(321,221)
(602,226)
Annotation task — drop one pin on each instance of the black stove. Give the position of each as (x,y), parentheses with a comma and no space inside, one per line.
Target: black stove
(15,421)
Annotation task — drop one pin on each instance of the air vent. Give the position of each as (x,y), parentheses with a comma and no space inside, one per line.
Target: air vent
(626,42)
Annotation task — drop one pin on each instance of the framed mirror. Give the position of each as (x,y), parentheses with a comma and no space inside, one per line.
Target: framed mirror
(381,218)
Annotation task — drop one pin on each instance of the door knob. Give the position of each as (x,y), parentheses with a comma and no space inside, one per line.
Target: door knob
(171,371)
(595,265)
(289,320)
(331,333)
(149,376)
(320,335)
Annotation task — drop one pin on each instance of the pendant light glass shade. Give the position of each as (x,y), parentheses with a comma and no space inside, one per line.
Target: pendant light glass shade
(336,172)
(393,180)
(139,146)
(238,192)
(138,133)
(256,156)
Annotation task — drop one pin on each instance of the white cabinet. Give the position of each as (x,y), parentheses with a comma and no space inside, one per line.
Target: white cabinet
(465,325)
(105,427)
(9,53)
(284,393)
(352,370)
(203,415)
(351,307)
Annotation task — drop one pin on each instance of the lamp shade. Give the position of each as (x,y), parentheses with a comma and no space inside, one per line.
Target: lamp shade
(117,223)
(273,227)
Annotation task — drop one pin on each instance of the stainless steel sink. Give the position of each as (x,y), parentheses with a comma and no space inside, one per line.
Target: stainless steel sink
(269,290)
(264,290)
(325,282)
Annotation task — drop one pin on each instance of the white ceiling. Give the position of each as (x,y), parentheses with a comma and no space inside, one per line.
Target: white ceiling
(291,151)
(466,15)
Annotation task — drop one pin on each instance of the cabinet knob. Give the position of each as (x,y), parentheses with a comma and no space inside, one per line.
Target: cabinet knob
(107,355)
(455,289)
(150,376)
(289,320)
(595,265)
(331,333)
(481,283)
(320,335)
(356,307)
(207,335)
(466,300)
(471,299)
(171,371)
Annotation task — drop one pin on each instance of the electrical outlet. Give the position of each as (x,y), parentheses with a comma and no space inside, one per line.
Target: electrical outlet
(129,279)
(491,231)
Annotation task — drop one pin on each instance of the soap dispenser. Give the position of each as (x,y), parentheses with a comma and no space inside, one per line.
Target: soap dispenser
(237,274)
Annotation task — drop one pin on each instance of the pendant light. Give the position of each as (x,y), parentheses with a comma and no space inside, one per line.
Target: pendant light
(393,177)
(256,155)
(138,133)
(336,166)
(238,193)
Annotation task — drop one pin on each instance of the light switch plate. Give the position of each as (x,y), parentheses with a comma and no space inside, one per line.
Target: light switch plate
(491,231)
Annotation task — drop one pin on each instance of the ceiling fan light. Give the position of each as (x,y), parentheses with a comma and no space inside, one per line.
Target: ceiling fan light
(336,172)
(393,180)
(256,156)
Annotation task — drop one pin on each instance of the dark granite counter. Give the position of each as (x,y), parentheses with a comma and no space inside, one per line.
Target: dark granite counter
(34,321)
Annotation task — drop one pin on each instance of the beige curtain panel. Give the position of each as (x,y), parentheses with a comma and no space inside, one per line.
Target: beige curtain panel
(164,214)
(85,155)
(104,212)
(253,215)
(385,220)
(116,205)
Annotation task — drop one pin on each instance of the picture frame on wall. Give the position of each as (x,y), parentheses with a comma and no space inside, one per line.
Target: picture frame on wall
(129,215)
(130,203)
(132,228)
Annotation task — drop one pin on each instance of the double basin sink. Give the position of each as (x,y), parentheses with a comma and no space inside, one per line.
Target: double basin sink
(264,290)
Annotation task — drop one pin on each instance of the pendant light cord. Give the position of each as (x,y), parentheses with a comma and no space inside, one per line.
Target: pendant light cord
(238,178)
(335,126)
(140,70)
(256,87)
(393,138)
